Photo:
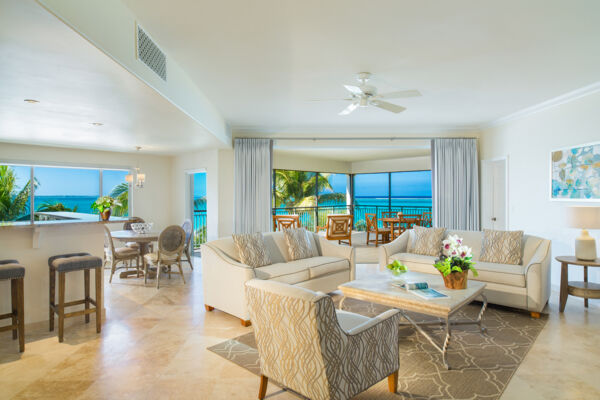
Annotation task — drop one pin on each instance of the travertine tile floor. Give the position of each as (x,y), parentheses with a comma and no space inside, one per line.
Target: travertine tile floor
(153,346)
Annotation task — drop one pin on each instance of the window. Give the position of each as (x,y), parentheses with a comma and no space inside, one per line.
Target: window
(333,189)
(411,190)
(115,185)
(58,193)
(15,194)
(294,188)
(372,189)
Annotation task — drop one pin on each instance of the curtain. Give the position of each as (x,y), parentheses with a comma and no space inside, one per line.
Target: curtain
(455,181)
(253,166)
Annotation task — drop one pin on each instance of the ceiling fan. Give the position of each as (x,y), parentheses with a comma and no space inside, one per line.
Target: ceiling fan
(366,95)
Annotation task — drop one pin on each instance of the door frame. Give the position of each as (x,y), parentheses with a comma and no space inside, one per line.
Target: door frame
(189,208)
(506,185)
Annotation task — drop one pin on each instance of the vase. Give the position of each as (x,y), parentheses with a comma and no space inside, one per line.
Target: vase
(456,280)
(105,215)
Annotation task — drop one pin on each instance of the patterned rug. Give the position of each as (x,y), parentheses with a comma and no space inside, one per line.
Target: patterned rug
(482,365)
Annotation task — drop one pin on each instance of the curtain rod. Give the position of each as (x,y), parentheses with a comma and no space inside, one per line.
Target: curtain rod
(391,138)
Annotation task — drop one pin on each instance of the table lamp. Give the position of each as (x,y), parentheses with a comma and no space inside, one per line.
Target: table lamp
(584,218)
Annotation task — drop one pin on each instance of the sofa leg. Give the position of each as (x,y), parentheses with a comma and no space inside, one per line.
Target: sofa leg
(262,391)
(393,382)
(208,308)
(535,314)
(245,322)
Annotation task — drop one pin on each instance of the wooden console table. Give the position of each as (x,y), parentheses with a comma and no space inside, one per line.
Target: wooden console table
(584,289)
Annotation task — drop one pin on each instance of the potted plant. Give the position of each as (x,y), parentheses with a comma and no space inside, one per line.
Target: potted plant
(103,205)
(455,263)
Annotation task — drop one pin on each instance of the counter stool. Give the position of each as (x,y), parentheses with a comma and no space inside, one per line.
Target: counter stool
(74,262)
(10,269)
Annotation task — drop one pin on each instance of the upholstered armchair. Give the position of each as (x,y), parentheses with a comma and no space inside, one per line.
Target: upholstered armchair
(306,345)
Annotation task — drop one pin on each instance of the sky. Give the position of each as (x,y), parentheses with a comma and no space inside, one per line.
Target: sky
(54,181)
(200,184)
(404,184)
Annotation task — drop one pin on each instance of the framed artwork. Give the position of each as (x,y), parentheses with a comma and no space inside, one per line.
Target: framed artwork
(575,173)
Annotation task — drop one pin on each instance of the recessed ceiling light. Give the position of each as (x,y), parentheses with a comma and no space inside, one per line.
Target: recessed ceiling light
(31,101)
(97,123)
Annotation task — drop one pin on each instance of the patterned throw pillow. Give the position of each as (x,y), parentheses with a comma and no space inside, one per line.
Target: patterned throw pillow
(298,244)
(501,247)
(251,247)
(427,241)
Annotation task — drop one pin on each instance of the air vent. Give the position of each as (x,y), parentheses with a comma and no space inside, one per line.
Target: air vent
(149,53)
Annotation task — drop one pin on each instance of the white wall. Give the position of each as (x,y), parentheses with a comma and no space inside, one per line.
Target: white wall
(398,164)
(218,165)
(151,203)
(528,142)
(289,160)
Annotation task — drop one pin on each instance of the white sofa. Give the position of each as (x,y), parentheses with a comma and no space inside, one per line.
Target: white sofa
(525,286)
(224,276)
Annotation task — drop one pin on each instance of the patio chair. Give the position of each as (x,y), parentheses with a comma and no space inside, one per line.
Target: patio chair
(373,228)
(339,227)
(426,219)
(282,222)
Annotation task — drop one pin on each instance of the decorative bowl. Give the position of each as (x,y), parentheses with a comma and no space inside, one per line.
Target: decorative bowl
(141,227)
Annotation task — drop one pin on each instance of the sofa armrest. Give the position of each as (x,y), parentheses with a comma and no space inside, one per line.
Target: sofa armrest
(399,245)
(374,321)
(537,275)
(330,249)
(223,279)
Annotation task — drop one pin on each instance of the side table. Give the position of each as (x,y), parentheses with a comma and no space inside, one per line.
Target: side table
(584,289)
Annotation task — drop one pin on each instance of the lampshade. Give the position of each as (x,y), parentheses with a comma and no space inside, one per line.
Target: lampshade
(583,217)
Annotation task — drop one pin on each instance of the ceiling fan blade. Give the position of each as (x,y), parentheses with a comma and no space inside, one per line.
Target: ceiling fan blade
(384,105)
(346,99)
(349,109)
(355,90)
(400,94)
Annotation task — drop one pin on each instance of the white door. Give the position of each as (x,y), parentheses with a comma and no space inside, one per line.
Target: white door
(494,194)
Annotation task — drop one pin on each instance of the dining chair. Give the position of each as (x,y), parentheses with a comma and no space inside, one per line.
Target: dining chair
(373,228)
(339,227)
(426,219)
(389,214)
(127,227)
(115,255)
(187,228)
(171,243)
(282,222)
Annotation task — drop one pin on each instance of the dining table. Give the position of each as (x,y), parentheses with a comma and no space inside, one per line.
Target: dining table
(142,239)
(391,222)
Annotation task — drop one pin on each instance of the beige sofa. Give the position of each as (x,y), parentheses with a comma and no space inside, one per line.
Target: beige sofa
(525,286)
(224,276)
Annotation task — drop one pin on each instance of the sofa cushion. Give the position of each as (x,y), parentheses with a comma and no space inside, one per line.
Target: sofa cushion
(299,246)
(502,247)
(252,250)
(427,241)
(505,274)
(302,270)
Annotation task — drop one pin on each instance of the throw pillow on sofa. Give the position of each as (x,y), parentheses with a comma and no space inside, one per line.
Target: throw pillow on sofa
(501,247)
(299,246)
(427,241)
(252,249)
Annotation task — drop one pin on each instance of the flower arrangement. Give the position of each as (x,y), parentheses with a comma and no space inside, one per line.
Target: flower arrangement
(104,203)
(456,259)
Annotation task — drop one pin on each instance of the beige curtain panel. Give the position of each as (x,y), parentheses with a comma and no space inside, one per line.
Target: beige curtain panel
(253,166)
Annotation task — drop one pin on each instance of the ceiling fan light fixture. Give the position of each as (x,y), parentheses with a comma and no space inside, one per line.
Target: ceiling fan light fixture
(363,102)
(31,101)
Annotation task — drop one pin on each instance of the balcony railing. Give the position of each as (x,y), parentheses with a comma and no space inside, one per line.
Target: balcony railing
(199,224)
(311,217)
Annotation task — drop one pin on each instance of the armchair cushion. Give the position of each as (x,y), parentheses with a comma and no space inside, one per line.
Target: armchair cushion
(349,320)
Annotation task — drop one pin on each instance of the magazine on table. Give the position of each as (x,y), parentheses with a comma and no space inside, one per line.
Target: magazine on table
(420,289)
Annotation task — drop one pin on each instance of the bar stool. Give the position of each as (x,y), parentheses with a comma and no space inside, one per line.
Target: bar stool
(10,269)
(74,262)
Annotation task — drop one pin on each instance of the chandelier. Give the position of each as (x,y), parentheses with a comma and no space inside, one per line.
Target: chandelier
(140,177)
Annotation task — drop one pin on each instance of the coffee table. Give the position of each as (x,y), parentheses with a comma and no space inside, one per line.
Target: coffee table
(378,289)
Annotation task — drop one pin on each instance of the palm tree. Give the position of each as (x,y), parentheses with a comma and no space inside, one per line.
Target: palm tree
(121,194)
(297,188)
(49,207)
(200,203)
(13,202)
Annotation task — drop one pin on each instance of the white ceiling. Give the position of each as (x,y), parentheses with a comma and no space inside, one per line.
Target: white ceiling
(76,85)
(474,61)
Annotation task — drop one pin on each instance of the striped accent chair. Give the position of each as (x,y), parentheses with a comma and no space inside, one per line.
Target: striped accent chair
(308,346)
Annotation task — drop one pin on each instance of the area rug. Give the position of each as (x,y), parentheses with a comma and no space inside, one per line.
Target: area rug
(482,365)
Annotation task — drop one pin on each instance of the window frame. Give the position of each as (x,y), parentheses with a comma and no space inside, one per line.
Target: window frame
(99,168)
